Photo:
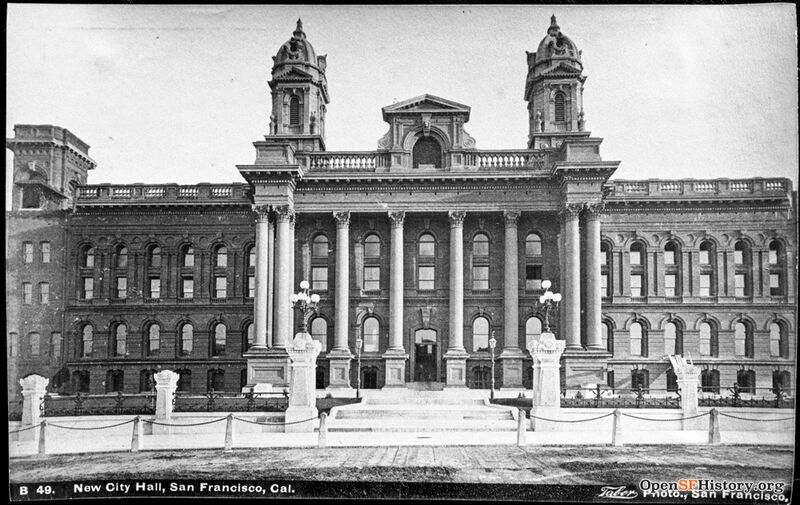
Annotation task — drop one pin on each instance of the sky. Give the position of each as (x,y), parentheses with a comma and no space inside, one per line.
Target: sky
(179,93)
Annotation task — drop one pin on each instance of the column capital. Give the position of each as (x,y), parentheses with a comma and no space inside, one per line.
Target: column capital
(595,210)
(397,218)
(457,218)
(284,213)
(511,217)
(262,212)
(342,219)
(570,211)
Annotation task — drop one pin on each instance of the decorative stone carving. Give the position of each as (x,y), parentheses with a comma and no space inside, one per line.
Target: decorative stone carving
(262,212)
(546,353)
(284,213)
(385,142)
(571,211)
(688,378)
(301,416)
(581,121)
(468,141)
(34,388)
(539,121)
(273,124)
(457,217)
(342,219)
(397,218)
(595,210)
(511,217)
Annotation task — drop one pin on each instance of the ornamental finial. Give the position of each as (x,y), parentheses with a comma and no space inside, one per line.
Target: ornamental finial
(299,30)
(553,23)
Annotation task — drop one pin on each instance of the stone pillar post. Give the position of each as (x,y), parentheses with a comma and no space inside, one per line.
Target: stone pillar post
(688,379)
(511,357)
(594,298)
(283,286)
(572,277)
(395,357)
(270,285)
(456,355)
(546,353)
(166,385)
(339,357)
(34,387)
(261,316)
(301,415)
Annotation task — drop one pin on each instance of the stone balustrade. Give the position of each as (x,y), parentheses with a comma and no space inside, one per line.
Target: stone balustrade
(627,189)
(101,194)
(346,161)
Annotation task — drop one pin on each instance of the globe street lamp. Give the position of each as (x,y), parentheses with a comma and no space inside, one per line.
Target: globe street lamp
(492,345)
(305,304)
(549,301)
(359,344)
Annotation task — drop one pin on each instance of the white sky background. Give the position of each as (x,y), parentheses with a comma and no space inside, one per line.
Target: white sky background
(179,93)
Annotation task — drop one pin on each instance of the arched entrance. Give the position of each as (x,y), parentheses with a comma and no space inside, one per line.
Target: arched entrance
(427,153)
(425,355)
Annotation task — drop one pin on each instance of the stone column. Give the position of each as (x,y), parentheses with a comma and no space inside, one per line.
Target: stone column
(456,355)
(270,285)
(546,402)
(395,357)
(34,387)
(594,298)
(301,415)
(166,385)
(293,284)
(339,357)
(263,230)
(572,277)
(511,357)
(283,286)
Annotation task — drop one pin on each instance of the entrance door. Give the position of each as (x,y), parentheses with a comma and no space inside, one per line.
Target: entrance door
(425,356)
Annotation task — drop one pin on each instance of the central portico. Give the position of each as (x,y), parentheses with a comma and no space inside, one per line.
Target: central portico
(427,246)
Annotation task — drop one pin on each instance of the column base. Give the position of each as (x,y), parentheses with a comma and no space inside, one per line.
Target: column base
(511,367)
(339,369)
(267,367)
(549,413)
(301,413)
(456,362)
(585,369)
(395,365)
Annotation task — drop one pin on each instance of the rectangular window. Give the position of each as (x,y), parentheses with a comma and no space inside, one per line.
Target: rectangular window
(319,278)
(88,288)
(45,252)
(738,282)
(55,343)
(636,285)
(251,286)
(704,258)
(604,285)
(636,344)
(220,287)
(480,277)
(425,280)
(188,288)
(739,343)
(13,345)
(122,287)
(533,277)
(603,258)
(44,292)
(669,257)
(27,293)
(27,252)
(773,257)
(669,285)
(34,342)
(636,258)
(155,287)
(774,284)
(705,285)
(738,257)
(372,278)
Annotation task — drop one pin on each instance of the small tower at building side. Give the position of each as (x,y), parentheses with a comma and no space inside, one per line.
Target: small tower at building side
(554,91)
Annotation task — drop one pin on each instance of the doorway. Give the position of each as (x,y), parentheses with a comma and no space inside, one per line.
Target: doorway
(425,369)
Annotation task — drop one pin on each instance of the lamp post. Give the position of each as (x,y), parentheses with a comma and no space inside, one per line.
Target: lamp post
(492,345)
(359,344)
(549,301)
(307,305)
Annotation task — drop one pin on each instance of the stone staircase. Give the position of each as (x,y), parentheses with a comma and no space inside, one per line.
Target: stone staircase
(419,410)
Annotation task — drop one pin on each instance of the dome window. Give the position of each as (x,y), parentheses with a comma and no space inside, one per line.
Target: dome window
(560,107)
(294,111)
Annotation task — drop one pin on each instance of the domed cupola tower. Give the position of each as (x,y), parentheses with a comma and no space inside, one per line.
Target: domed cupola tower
(299,93)
(554,90)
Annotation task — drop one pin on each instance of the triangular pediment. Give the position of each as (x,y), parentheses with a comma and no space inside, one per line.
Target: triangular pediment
(563,68)
(293,73)
(426,103)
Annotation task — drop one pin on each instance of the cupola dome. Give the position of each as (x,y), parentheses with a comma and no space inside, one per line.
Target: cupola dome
(556,45)
(297,49)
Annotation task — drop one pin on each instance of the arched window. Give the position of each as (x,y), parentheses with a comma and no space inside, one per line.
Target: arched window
(249,336)
(122,257)
(781,379)
(741,253)
(184,379)
(640,379)
(480,334)
(607,336)
(673,339)
(638,339)
(747,381)
(153,339)
(533,330)
(672,381)
(372,246)
(426,152)
(637,276)
(706,253)
(294,111)
(87,257)
(370,330)
(114,381)
(80,381)
(34,340)
(319,247)
(221,257)
(187,256)
(778,340)
(220,339)
(480,245)
(777,261)
(319,332)
(427,245)
(216,380)
(709,381)
(146,380)
(187,339)
(671,253)
(743,339)
(533,245)
(637,254)
(775,253)
(709,342)
(120,344)
(559,99)
(87,337)
(251,256)
(154,257)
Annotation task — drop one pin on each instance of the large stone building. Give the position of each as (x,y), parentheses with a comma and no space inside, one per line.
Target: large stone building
(424,249)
